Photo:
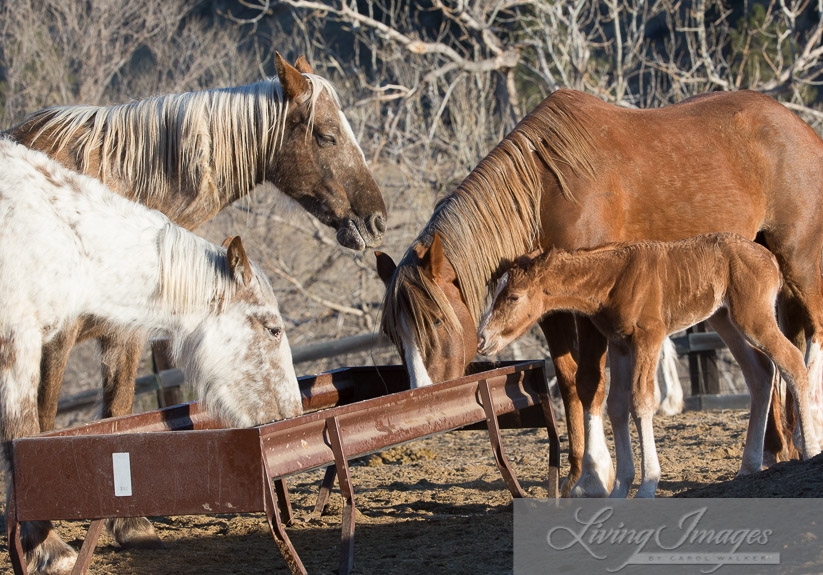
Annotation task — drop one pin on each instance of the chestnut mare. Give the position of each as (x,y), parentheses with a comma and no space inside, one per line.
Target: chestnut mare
(636,295)
(190,155)
(578,172)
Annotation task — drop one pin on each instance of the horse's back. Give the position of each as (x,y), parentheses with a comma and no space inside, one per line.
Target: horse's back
(60,232)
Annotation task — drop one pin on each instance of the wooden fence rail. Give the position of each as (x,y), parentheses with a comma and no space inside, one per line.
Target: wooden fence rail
(167,381)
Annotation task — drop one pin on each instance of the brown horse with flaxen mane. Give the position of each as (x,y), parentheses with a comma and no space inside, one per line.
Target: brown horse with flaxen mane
(578,172)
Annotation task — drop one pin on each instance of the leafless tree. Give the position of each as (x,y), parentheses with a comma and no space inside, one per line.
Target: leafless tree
(429,87)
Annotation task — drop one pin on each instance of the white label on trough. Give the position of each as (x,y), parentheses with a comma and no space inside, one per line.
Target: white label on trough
(122,474)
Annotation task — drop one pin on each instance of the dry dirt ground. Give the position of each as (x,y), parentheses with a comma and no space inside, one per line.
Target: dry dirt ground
(438,505)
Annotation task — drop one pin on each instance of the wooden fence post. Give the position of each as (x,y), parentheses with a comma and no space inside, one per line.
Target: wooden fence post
(703,367)
(160,361)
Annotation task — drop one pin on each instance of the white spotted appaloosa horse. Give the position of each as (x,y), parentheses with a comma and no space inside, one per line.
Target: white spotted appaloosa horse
(71,248)
(190,155)
(636,295)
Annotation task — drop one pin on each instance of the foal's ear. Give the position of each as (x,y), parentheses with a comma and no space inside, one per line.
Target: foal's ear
(525,259)
(302,65)
(226,242)
(385,267)
(292,81)
(239,265)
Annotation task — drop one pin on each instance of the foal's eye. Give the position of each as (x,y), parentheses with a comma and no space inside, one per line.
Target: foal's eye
(275,332)
(324,140)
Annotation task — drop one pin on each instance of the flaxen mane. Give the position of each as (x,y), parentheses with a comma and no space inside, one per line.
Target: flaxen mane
(492,217)
(213,141)
(189,281)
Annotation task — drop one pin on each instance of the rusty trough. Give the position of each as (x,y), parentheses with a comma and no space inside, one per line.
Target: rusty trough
(111,468)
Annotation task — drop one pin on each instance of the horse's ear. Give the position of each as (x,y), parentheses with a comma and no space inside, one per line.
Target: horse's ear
(292,81)
(239,264)
(435,263)
(302,65)
(525,259)
(385,267)
(226,242)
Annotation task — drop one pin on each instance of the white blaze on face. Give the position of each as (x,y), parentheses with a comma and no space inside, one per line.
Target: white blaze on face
(418,376)
(347,129)
(501,283)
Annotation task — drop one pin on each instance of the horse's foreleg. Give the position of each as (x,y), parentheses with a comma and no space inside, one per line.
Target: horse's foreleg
(646,354)
(671,401)
(617,406)
(758,373)
(52,366)
(815,365)
(20,353)
(560,333)
(597,475)
(120,359)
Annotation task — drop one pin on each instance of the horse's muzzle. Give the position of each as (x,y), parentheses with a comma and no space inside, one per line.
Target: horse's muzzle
(358,234)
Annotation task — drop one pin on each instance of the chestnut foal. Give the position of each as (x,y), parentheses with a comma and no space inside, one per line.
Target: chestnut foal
(636,295)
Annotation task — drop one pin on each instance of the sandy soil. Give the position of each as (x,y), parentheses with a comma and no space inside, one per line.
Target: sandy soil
(438,505)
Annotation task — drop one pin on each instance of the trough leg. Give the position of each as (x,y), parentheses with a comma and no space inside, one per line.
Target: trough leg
(281,538)
(325,490)
(554,442)
(16,554)
(283,501)
(87,550)
(347,536)
(497,442)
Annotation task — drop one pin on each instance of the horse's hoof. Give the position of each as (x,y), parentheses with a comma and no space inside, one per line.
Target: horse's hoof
(134,533)
(52,557)
(589,485)
(567,485)
(620,490)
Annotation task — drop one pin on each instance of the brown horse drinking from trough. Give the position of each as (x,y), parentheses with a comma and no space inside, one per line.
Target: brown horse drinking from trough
(577,172)
(636,295)
(190,155)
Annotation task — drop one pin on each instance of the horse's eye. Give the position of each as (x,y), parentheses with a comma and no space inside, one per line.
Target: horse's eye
(275,332)
(324,140)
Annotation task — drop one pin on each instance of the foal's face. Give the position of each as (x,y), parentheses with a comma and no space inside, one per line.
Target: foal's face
(239,359)
(320,164)
(512,313)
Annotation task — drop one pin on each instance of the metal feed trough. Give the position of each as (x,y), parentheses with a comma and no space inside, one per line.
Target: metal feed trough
(111,468)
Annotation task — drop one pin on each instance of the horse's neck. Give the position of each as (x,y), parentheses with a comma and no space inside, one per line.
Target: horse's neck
(194,197)
(580,284)
(125,283)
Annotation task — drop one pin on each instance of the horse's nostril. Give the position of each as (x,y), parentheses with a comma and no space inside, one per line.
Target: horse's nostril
(377,224)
